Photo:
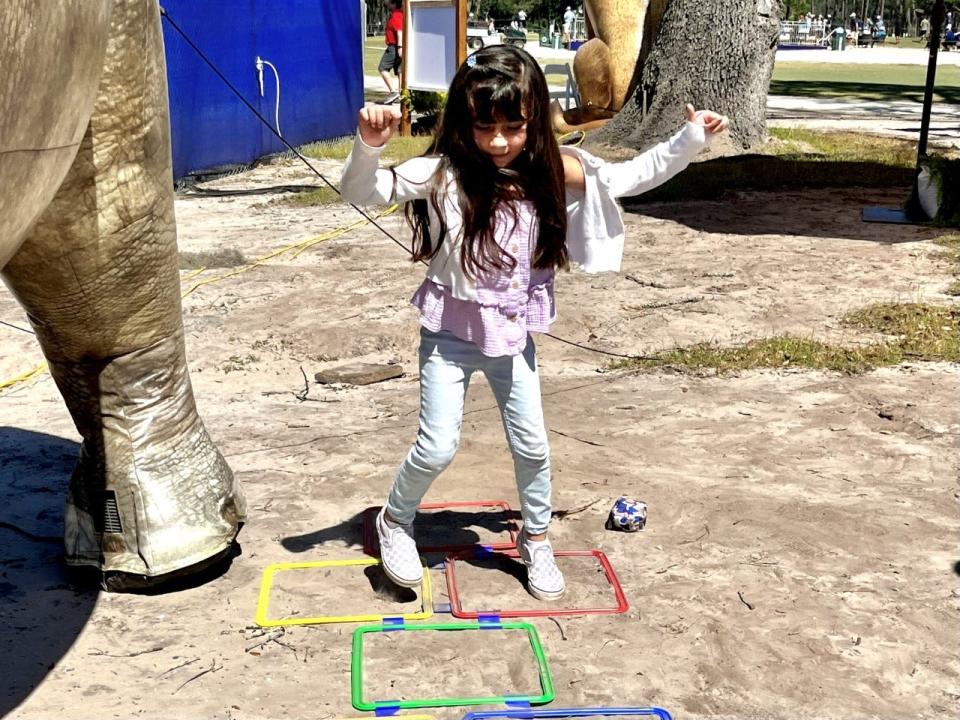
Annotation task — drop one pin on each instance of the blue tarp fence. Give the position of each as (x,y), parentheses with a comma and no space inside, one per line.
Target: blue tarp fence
(316,47)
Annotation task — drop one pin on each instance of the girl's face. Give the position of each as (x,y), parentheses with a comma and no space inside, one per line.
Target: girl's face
(502,140)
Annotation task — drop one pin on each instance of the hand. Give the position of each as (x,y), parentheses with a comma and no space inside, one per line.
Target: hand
(377,123)
(713,122)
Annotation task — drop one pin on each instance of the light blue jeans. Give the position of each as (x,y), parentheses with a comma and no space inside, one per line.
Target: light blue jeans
(446,365)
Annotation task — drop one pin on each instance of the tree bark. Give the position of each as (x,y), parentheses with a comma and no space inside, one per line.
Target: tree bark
(716,55)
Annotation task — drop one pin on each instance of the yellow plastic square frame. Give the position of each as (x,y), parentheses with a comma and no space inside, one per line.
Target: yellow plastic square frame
(263,603)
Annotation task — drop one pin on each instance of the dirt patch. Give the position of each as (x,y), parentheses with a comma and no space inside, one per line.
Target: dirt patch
(800,547)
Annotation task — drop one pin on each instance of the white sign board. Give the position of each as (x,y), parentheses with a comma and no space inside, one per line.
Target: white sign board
(430,44)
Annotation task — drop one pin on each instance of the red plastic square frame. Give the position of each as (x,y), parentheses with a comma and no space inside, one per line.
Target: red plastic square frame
(372,548)
(457,610)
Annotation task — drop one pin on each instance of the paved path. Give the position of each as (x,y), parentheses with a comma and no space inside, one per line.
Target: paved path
(870,56)
(899,118)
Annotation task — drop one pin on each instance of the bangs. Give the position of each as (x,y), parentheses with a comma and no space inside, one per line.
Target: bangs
(496,99)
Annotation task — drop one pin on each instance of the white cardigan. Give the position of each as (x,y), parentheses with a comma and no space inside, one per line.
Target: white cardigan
(594,224)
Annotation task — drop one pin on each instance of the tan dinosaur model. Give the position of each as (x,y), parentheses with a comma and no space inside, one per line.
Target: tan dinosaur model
(604,66)
(88,246)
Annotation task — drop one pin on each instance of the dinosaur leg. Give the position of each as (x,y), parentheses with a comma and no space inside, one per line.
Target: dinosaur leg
(98,275)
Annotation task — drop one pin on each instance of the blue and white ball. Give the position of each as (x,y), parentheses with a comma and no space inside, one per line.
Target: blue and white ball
(627,515)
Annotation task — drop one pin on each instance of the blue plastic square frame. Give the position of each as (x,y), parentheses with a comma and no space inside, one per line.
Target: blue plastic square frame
(531,714)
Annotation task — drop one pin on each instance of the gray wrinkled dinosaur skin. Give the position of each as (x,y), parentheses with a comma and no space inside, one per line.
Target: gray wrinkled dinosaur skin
(88,246)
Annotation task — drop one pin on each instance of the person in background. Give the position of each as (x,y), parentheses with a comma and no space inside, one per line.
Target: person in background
(392,55)
(568,18)
(879,30)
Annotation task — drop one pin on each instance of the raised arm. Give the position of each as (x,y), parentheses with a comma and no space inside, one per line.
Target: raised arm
(661,162)
(363,181)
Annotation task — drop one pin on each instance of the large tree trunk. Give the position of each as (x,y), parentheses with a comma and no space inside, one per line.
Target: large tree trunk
(717,55)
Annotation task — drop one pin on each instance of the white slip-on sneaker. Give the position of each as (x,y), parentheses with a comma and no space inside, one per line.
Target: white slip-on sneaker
(544,579)
(398,553)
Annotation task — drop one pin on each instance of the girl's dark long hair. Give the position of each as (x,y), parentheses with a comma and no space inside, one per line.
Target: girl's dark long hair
(500,83)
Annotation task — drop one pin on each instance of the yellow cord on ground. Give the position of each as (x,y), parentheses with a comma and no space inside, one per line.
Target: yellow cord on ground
(299,247)
(24,377)
(193,274)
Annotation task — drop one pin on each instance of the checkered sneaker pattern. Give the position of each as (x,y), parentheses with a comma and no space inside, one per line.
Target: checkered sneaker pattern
(544,579)
(398,553)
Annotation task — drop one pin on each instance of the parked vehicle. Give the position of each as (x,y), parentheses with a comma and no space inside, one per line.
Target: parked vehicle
(480,33)
(514,36)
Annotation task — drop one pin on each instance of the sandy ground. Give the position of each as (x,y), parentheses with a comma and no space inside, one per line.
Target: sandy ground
(799,559)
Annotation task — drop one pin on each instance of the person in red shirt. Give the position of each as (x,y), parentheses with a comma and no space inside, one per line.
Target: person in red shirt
(392,59)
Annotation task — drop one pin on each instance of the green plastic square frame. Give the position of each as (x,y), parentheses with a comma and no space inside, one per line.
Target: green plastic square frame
(356,668)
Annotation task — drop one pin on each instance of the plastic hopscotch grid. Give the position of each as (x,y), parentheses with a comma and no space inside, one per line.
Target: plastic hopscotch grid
(568,713)
(263,603)
(371,546)
(456,607)
(486,624)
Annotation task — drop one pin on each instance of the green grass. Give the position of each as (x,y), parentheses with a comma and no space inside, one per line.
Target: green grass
(310,198)
(398,149)
(951,247)
(802,144)
(916,332)
(797,159)
(951,253)
(863,82)
(372,52)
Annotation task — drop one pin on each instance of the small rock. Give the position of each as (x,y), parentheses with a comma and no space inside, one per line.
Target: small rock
(358,374)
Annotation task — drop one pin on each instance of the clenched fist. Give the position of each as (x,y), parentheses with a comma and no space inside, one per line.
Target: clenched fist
(713,122)
(377,123)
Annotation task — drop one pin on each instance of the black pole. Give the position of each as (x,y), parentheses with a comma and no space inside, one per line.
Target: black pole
(913,209)
(936,21)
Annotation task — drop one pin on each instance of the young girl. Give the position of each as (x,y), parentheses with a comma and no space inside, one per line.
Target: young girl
(496,207)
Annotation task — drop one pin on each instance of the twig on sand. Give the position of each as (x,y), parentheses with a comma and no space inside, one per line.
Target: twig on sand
(706,531)
(666,304)
(563,635)
(268,637)
(177,667)
(302,394)
(212,669)
(648,283)
(560,514)
(743,600)
(585,442)
(288,647)
(158,648)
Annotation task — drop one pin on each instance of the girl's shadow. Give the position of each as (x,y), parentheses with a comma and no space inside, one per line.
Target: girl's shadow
(434,529)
